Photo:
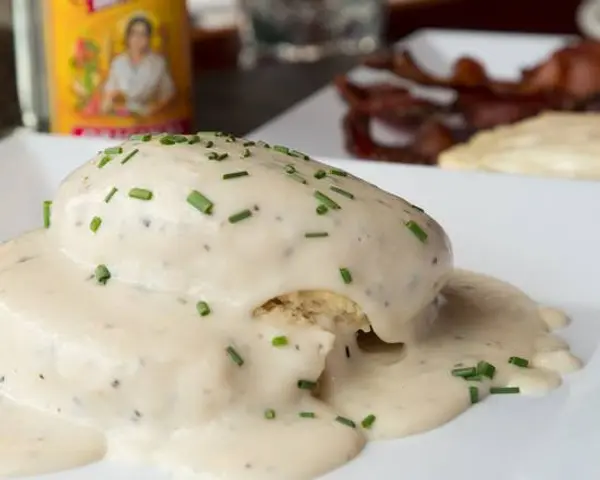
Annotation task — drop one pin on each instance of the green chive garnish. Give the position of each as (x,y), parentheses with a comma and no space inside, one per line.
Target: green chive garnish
(281,149)
(113,150)
(238,217)
(325,200)
(104,160)
(322,210)
(110,194)
(486,369)
(290,169)
(217,156)
(168,140)
(280,341)
(474,378)
(316,234)
(102,274)
(209,144)
(320,174)
(504,390)
(246,153)
(296,153)
(345,421)
(418,232)
(145,137)
(306,385)
(140,194)
(47,213)
(270,414)
(346,275)
(129,156)
(339,173)
(368,421)
(193,140)
(519,362)
(235,356)
(248,143)
(464,372)
(200,202)
(202,308)
(95,224)
(307,415)
(342,192)
(229,176)
(180,138)
(473,394)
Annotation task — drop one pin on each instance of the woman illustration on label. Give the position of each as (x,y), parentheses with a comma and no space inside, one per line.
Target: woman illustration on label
(139,78)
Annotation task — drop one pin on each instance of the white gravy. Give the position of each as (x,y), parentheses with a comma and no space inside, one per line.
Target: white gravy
(130,371)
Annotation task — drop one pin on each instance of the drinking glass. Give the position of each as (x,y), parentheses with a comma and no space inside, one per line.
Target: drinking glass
(306,30)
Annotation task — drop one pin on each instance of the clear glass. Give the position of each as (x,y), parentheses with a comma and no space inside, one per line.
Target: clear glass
(306,30)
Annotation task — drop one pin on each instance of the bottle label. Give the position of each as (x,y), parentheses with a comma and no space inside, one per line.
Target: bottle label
(118,67)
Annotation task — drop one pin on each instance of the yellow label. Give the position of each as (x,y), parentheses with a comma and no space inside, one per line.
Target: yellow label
(117,67)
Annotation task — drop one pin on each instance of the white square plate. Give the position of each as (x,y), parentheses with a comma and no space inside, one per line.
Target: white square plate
(541,235)
(314,125)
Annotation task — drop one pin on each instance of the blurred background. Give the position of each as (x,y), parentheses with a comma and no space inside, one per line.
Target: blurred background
(249,67)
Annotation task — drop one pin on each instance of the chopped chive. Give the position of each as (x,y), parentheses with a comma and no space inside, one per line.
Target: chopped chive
(339,173)
(113,150)
(417,231)
(102,274)
(322,210)
(193,140)
(223,156)
(200,202)
(235,356)
(316,234)
(203,309)
(209,144)
(296,153)
(229,176)
(144,137)
(281,149)
(249,143)
(141,194)
(319,174)
(104,160)
(217,156)
(180,139)
(280,341)
(110,194)
(95,224)
(474,378)
(519,362)
(504,390)
(473,394)
(325,200)
(290,169)
(238,217)
(346,275)
(47,213)
(342,192)
(298,178)
(306,385)
(129,156)
(368,421)
(246,153)
(345,421)
(464,372)
(307,415)
(486,369)
(270,414)
(168,140)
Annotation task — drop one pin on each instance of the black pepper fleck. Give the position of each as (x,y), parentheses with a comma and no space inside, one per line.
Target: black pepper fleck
(434,261)
(2,379)
(24,259)
(278,218)
(41,375)
(256,208)
(297,347)
(347,351)
(115,384)
(386,304)
(207,247)
(288,252)
(146,222)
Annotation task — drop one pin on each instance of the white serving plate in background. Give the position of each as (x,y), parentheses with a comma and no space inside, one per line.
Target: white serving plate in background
(542,235)
(314,125)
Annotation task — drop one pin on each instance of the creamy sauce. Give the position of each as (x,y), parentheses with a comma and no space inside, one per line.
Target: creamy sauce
(268,378)
(556,144)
